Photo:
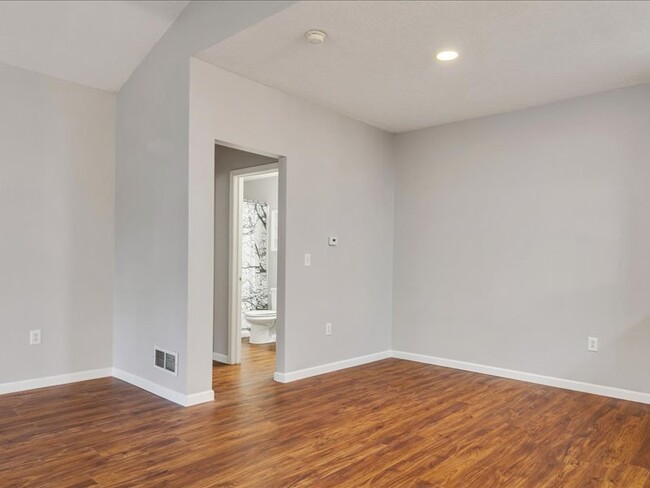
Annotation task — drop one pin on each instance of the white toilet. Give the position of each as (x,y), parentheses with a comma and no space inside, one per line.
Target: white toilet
(262,322)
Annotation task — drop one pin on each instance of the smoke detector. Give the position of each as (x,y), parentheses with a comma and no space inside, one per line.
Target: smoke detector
(315,36)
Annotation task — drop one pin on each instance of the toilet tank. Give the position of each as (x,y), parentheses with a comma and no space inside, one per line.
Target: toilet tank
(274,298)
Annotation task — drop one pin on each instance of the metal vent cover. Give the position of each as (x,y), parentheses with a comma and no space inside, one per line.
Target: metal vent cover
(170,363)
(160,358)
(166,360)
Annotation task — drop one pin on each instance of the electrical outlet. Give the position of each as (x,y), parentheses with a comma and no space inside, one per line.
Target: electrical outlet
(592,344)
(328,329)
(34,337)
(307,259)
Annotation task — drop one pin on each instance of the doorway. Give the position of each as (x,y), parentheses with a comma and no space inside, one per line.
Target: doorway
(253,259)
(248,273)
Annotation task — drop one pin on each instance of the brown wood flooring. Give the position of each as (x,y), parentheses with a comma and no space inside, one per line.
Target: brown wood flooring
(392,423)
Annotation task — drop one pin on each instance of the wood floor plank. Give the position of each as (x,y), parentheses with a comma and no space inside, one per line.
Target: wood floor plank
(392,423)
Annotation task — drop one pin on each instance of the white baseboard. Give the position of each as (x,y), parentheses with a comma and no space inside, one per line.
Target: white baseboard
(329,367)
(161,391)
(61,379)
(608,391)
(197,398)
(220,358)
(208,396)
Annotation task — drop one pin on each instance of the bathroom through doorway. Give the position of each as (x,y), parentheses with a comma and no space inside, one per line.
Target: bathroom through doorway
(247,205)
(254,210)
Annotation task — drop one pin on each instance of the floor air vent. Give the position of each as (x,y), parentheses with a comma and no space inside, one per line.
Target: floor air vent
(166,360)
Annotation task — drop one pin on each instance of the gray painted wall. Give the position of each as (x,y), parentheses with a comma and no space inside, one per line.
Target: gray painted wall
(57,147)
(152,300)
(225,160)
(519,235)
(338,179)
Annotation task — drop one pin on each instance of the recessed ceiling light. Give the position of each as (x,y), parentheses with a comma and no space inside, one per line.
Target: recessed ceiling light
(315,36)
(446,55)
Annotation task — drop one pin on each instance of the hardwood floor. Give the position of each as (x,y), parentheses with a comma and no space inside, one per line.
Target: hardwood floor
(388,424)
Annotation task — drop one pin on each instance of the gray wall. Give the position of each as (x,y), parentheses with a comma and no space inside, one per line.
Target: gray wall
(519,235)
(57,167)
(338,179)
(225,160)
(151,250)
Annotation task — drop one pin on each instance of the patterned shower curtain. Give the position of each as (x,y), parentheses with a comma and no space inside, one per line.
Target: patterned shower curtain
(254,285)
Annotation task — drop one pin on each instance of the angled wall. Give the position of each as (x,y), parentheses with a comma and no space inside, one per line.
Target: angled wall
(152,175)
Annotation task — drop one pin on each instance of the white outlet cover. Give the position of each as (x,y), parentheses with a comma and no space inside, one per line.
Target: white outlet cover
(333,241)
(328,329)
(592,344)
(307,259)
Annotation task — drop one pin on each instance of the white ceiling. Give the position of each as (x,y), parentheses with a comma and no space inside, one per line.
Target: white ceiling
(95,43)
(377,63)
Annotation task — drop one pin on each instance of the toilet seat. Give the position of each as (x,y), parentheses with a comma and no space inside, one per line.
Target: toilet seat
(261,314)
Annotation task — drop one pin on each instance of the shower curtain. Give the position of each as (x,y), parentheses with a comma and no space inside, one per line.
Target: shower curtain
(254,284)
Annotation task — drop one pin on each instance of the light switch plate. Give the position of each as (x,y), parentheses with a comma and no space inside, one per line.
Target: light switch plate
(34,337)
(307,259)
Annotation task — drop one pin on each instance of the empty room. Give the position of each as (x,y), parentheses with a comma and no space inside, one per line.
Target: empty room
(328,244)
